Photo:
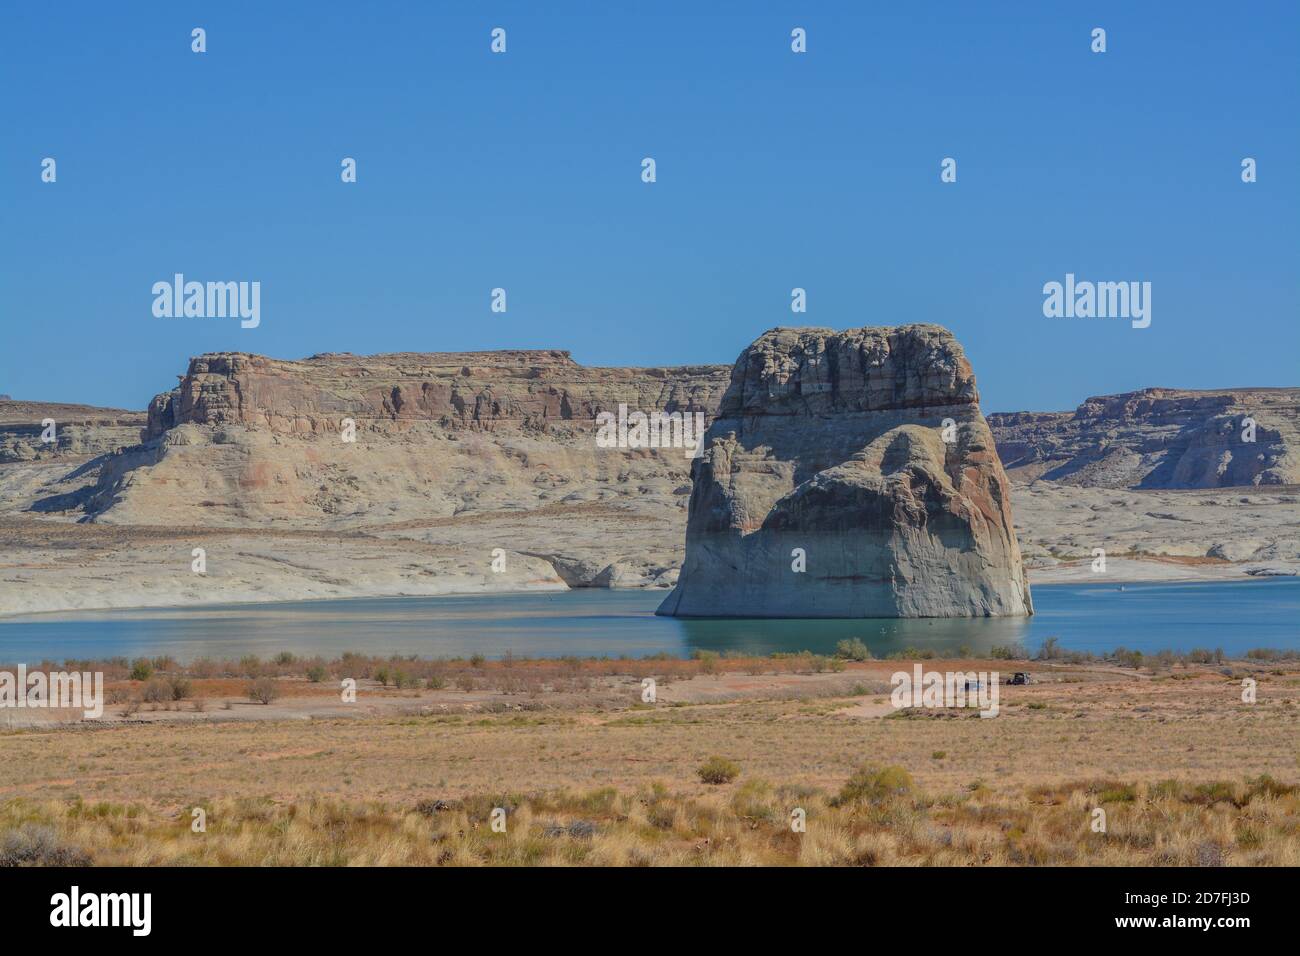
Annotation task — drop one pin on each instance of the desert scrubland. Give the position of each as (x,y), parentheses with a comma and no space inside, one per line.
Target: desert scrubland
(1186,772)
(459,457)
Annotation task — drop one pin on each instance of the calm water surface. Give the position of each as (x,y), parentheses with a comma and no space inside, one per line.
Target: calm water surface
(1235,616)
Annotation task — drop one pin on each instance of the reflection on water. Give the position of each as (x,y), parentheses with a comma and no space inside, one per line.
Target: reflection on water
(882,636)
(1233,616)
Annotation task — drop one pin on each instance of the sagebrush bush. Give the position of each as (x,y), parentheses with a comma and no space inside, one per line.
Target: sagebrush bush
(717,770)
(157,691)
(32,845)
(874,785)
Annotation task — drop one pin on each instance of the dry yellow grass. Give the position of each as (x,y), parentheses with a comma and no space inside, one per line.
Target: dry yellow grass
(1187,773)
(1250,823)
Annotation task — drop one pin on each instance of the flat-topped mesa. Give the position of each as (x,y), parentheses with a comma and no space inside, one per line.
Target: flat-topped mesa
(345,441)
(850,474)
(456,390)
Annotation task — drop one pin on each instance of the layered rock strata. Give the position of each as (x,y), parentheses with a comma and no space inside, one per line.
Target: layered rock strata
(1159,438)
(850,474)
(79,431)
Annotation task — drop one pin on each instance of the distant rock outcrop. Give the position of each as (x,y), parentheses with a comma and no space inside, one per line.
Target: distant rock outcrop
(850,474)
(80,431)
(1159,438)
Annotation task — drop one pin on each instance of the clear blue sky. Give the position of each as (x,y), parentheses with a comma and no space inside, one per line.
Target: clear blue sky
(775,170)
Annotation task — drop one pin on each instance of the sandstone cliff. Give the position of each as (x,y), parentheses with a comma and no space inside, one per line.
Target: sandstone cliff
(81,431)
(245,439)
(527,390)
(455,456)
(830,450)
(1158,438)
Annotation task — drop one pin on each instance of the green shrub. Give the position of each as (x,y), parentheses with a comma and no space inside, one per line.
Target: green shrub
(141,669)
(1117,793)
(316,674)
(874,785)
(818,663)
(708,661)
(752,800)
(1264,784)
(853,650)
(1127,658)
(717,770)
(662,816)
(1212,793)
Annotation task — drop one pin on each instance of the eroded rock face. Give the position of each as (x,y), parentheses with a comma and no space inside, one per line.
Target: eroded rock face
(464,451)
(478,391)
(1159,438)
(81,431)
(829,449)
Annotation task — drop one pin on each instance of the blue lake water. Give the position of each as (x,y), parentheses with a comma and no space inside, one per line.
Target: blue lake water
(1234,616)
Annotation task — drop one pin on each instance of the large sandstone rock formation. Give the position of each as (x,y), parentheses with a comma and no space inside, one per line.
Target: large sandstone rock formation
(457,456)
(1159,438)
(248,439)
(831,446)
